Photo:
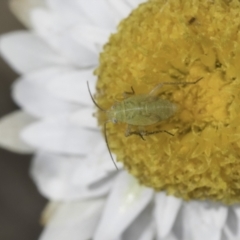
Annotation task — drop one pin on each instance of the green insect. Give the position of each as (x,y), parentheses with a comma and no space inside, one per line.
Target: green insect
(141,111)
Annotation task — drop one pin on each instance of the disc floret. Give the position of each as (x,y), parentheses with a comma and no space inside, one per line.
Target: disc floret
(180,41)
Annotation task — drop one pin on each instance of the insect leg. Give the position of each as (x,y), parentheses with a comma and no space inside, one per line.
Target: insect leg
(141,133)
(128,132)
(155,89)
(125,94)
(155,132)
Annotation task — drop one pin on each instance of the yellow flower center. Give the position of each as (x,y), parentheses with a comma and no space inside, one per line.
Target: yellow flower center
(177,41)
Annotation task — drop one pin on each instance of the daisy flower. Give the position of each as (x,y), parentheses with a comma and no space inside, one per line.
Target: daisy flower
(158,41)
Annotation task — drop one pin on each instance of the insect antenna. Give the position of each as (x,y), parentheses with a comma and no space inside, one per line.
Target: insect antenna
(105,124)
(93,98)
(106,140)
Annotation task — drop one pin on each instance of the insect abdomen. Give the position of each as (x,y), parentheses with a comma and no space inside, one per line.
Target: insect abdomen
(144,111)
(162,108)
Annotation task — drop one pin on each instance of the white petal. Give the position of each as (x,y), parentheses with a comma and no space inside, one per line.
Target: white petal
(100,13)
(166,211)
(135,3)
(81,171)
(74,220)
(10,128)
(56,178)
(102,160)
(78,26)
(92,37)
(84,118)
(69,11)
(122,8)
(22,9)
(26,52)
(31,93)
(125,7)
(124,204)
(142,228)
(73,86)
(57,135)
(170,236)
(58,35)
(203,220)
(232,227)
(149,233)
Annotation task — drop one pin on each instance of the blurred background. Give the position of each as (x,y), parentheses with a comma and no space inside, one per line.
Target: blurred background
(20,202)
